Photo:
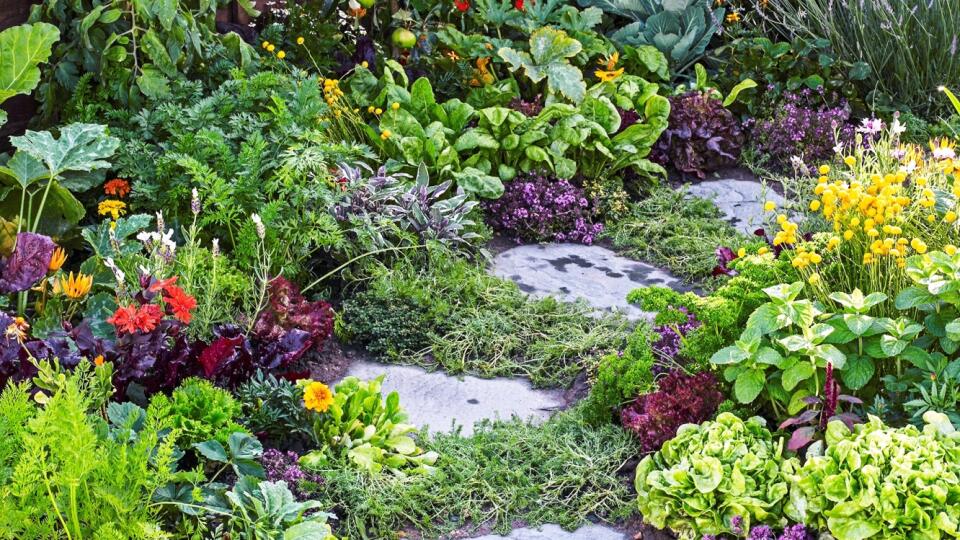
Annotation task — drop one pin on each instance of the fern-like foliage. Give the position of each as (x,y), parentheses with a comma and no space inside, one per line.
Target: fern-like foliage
(65,474)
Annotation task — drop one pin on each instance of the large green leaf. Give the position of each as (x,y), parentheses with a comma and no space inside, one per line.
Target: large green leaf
(81,147)
(22,49)
(549,50)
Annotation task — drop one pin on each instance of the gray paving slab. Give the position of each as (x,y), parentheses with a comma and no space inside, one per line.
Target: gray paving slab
(553,532)
(741,201)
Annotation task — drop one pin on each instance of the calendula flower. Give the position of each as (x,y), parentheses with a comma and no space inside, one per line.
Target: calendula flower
(609,71)
(317,397)
(300,40)
(117,187)
(112,208)
(73,286)
(57,259)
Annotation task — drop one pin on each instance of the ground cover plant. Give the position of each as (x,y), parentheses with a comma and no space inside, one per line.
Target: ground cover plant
(222,210)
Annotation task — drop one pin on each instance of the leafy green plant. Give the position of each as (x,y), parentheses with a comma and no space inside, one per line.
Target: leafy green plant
(29,45)
(271,407)
(66,474)
(622,376)
(875,482)
(264,510)
(362,427)
(547,59)
(198,411)
(709,473)
(681,29)
(241,454)
(133,49)
(45,171)
(936,292)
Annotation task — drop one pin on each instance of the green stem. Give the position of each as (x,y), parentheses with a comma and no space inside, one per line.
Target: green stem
(43,201)
(53,501)
(355,259)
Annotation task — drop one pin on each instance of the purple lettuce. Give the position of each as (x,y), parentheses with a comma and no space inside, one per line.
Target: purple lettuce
(702,136)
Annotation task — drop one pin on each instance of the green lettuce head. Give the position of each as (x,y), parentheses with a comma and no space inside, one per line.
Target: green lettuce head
(709,473)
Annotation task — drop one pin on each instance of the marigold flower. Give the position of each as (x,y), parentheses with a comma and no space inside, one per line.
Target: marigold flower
(117,187)
(733,17)
(112,208)
(72,286)
(317,397)
(57,259)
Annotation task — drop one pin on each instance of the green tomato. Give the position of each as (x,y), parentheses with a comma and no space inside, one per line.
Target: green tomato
(367,4)
(403,38)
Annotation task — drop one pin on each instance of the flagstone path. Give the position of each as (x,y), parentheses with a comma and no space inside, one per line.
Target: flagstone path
(594,274)
(741,201)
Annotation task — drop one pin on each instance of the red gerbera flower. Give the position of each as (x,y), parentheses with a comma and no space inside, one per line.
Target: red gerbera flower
(462,5)
(148,317)
(124,319)
(180,302)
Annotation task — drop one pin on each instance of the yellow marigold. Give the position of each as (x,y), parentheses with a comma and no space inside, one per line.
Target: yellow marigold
(73,287)
(57,259)
(317,397)
(112,208)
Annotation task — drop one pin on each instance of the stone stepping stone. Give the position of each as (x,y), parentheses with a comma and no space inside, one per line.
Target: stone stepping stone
(553,532)
(573,271)
(741,201)
(439,400)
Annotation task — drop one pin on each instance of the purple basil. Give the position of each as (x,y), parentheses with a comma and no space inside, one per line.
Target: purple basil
(537,208)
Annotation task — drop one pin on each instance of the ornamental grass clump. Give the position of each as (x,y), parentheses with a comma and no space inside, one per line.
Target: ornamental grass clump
(536,208)
(883,204)
(881,482)
(716,478)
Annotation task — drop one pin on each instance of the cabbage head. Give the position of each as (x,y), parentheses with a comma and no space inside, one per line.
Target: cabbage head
(711,472)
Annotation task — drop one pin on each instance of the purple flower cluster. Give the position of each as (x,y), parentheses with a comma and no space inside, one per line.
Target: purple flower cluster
(671,335)
(535,207)
(802,126)
(765,532)
(286,466)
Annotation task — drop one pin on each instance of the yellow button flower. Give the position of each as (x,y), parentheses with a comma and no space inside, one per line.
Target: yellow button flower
(824,169)
(918,245)
(769,206)
(300,40)
(850,161)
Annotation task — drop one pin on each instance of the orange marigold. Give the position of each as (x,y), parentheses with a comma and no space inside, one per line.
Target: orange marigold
(317,397)
(118,187)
